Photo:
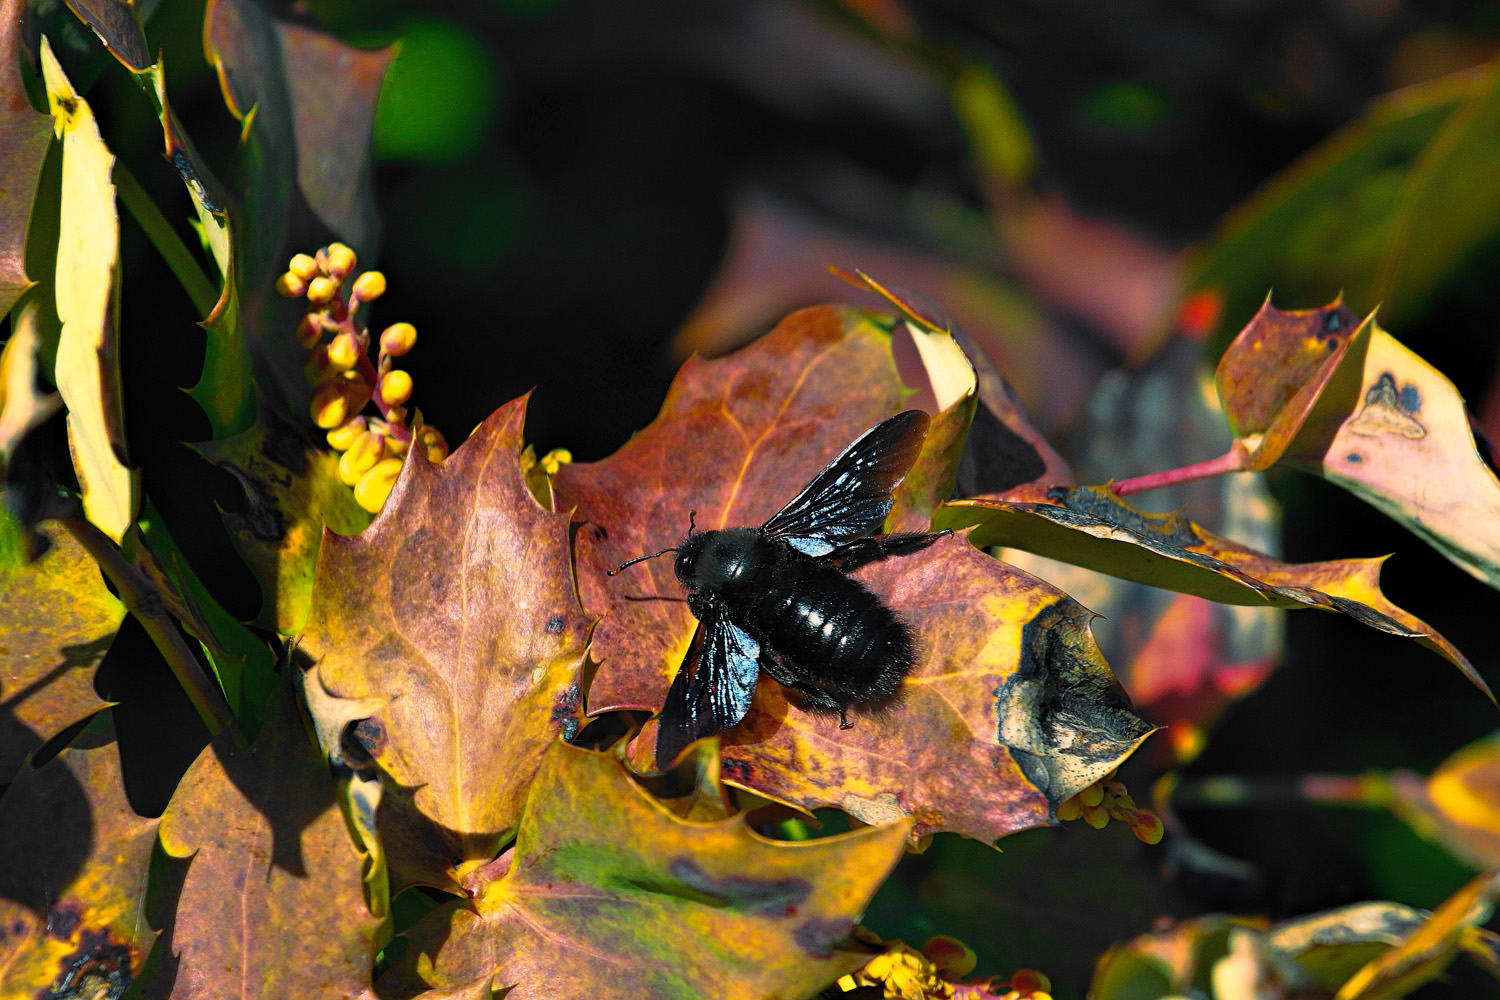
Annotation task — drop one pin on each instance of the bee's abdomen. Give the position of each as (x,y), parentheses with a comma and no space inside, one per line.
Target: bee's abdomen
(833,635)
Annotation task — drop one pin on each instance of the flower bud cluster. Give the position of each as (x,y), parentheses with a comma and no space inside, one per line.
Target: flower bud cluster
(934,971)
(1107,799)
(344,378)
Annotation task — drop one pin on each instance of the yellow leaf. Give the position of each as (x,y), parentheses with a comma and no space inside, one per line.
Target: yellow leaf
(88,360)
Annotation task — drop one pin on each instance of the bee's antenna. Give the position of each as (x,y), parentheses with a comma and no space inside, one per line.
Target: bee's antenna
(632,562)
(692,526)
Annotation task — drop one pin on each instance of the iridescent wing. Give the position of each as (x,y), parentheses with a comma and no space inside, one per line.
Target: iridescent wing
(712,689)
(851,497)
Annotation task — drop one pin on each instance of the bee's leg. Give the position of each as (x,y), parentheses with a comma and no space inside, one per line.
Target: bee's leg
(865,550)
(844,722)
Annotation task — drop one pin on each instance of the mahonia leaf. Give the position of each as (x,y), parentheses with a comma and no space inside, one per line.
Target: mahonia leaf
(1090,526)
(87,288)
(58,620)
(292,490)
(1009,708)
(272,872)
(449,633)
(608,892)
(1274,372)
(1392,430)
(1428,950)
(1306,956)
(1458,804)
(118,27)
(24,137)
(1384,208)
(73,865)
(1358,408)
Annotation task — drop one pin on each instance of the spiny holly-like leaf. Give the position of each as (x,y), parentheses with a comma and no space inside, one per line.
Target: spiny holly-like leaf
(57,620)
(273,894)
(1428,950)
(87,272)
(1392,430)
(450,631)
(1385,208)
(24,135)
(73,865)
(1458,804)
(1272,375)
(989,730)
(1090,526)
(609,893)
(292,490)
(118,27)
(1305,956)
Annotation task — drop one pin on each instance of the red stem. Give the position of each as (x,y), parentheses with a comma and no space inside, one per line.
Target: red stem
(1231,461)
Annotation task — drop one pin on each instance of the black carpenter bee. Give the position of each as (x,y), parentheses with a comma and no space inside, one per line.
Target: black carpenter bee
(779,598)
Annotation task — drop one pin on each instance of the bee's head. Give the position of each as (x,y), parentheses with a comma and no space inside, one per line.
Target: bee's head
(688,554)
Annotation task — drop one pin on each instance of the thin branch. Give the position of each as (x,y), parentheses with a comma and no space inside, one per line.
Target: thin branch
(175,252)
(142,599)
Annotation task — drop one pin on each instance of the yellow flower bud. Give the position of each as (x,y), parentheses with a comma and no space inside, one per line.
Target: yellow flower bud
(372,489)
(321,290)
(341,260)
(1091,796)
(330,404)
(430,440)
(1096,817)
(343,351)
(1069,810)
(303,266)
(396,447)
(342,437)
(309,329)
(396,415)
(369,286)
(556,459)
(950,957)
(1147,827)
(395,388)
(360,458)
(291,286)
(397,339)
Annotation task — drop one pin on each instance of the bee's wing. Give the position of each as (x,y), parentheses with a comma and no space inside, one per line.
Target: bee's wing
(712,689)
(850,498)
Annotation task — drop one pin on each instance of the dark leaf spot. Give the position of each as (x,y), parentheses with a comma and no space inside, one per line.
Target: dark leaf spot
(1410,399)
(1354,457)
(565,712)
(766,897)
(599,533)
(363,741)
(734,769)
(99,970)
(818,937)
(63,920)
(555,625)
